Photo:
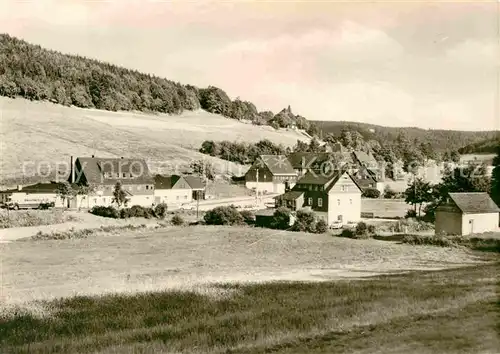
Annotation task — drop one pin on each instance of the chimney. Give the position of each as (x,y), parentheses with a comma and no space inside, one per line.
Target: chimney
(19,187)
(72,161)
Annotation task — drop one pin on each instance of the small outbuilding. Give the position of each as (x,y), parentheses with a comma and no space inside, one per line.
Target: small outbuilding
(466,214)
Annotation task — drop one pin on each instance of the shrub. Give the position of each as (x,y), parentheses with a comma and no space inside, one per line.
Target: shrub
(321,226)
(281,219)
(248,217)
(161,210)
(107,212)
(305,221)
(138,211)
(371,193)
(389,193)
(177,220)
(361,228)
(348,233)
(410,213)
(223,215)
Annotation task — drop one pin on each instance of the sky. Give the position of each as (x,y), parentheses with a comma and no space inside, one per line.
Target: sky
(400,63)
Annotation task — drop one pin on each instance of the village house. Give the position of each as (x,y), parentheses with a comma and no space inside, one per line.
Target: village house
(368,171)
(303,162)
(466,214)
(333,198)
(104,173)
(271,174)
(176,190)
(33,195)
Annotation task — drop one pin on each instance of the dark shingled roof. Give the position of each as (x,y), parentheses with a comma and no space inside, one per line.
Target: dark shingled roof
(95,167)
(290,195)
(194,182)
(315,159)
(365,159)
(327,181)
(474,203)
(277,164)
(165,182)
(41,188)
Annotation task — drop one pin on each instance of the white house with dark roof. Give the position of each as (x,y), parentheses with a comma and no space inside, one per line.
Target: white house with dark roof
(332,197)
(466,214)
(176,190)
(271,174)
(104,173)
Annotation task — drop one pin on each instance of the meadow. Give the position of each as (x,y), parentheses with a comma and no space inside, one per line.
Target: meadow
(450,311)
(185,257)
(37,132)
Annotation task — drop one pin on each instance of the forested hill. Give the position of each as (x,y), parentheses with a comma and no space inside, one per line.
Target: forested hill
(35,73)
(488,146)
(440,140)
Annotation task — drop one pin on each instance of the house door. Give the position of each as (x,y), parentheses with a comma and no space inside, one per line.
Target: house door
(471,226)
(340,218)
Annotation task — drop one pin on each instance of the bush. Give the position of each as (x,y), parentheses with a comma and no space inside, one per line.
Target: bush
(107,212)
(362,231)
(281,219)
(305,221)
(137,211)
(177,220)
(321,226)
(371,193)
(248,217)
(161,210)
(348,233)
(223,215)
(389,193)
(410,213)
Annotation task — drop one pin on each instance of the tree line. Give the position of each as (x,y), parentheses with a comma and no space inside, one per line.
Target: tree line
(472,178)
(35,73)
(241,152)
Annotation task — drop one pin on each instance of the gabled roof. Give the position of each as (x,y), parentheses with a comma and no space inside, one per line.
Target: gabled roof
(364,158)
(277,164)
(327,181)
(165,182)
(95,168)
(474,203)
(290,195)
(194,182)
(315,159)
(50,187)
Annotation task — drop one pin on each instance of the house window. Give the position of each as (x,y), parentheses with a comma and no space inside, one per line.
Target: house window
(139,188)
(185,197)
(342,188)
(338,201)
(124,175)
(350,201)
(310,187)
(104,200)
(320,202)
(177,198)
(310,201)
(147,187)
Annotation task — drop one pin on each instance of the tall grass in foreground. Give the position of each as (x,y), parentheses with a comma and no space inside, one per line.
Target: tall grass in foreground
(451,311)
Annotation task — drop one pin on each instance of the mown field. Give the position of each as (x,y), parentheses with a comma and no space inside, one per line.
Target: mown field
(451,311)
(37,132)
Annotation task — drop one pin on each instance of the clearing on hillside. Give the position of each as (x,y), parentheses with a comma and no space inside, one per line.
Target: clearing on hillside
(41,134)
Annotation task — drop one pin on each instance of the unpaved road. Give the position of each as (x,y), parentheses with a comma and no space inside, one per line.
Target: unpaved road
(189,257)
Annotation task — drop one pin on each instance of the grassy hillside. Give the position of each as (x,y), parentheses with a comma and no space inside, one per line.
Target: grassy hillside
(440,140)
(40,134)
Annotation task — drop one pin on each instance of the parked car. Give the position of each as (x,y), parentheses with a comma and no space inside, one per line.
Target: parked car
(336,225)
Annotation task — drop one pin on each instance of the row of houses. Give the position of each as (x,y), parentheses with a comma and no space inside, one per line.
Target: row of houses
(140,186)
(278,173)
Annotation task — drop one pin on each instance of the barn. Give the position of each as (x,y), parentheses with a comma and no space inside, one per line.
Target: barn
(466,214)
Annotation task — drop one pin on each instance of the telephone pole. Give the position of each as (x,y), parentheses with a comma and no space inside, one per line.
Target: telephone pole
(257,185)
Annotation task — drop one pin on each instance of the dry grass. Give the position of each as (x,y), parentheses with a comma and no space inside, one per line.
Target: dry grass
(385,208)
(21,218)
(41,131)
(452,311)
(180,258)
